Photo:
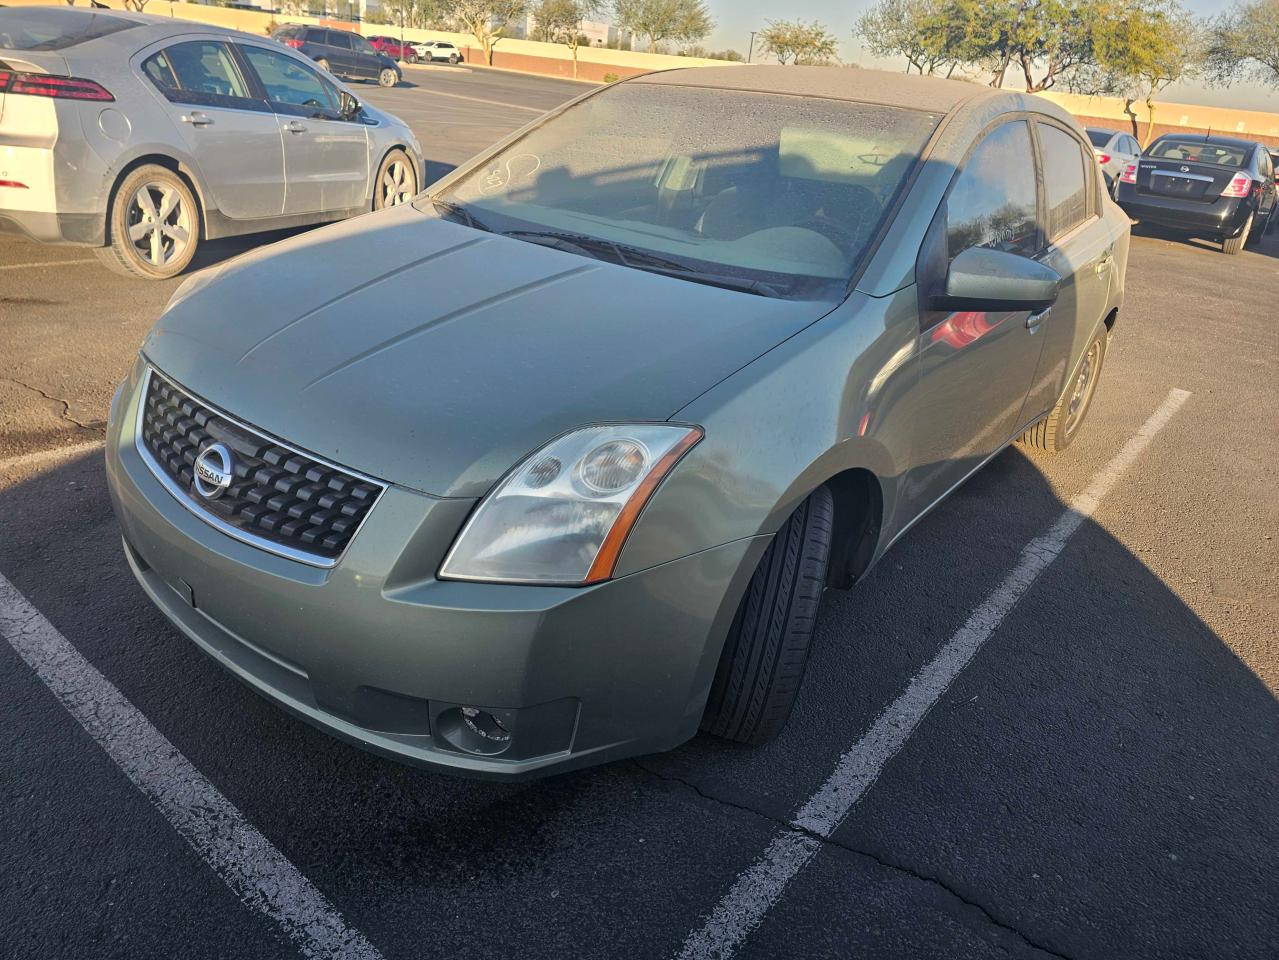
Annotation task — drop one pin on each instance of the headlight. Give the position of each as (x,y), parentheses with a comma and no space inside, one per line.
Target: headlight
(562,515)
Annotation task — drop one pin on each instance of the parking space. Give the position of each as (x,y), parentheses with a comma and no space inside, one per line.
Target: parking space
(1045,726)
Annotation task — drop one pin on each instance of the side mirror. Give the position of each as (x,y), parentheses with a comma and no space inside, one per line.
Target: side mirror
(994,280)
(350,106)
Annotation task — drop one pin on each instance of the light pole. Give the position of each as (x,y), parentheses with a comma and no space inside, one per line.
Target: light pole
(750,51)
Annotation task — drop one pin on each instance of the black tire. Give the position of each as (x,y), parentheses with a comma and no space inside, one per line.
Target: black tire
(1234,245)
(167,248)
(387,77)
(410,57)
(763,662)
(454,58)
(1272,219)
(1056,431)
(1253,236)
(396,181)
(323,65)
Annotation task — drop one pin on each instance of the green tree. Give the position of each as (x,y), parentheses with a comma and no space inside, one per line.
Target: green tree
(1139,55)
(560,21)
(684,21)
(1244,44)
(794,41)
(487,20)
(1046,40)
(932,36)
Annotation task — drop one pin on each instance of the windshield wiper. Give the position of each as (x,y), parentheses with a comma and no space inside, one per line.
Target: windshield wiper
(639,259)
(459,212)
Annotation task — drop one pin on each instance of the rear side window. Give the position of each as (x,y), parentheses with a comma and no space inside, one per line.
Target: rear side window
(1099,138)
(49,28)
(993,202)
(1065,189)
(339,39)
(317,36)
(200,72)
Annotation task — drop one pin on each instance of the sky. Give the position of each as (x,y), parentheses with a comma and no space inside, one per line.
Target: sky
(735,19)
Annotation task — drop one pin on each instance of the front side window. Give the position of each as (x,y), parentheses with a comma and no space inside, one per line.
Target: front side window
(363,46)
(199,72)
(291,86)
(1065,189)
(775,195)
(993,201)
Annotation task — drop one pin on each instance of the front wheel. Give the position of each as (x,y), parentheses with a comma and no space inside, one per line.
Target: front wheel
(1056,431)
(154,225)
(766,651)
(454,58)
(396,181)
(387,78)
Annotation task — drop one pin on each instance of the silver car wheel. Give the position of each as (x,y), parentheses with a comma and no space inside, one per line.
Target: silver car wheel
(159,223)
(398,184)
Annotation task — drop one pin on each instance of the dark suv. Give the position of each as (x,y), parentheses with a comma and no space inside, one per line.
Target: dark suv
(343,54)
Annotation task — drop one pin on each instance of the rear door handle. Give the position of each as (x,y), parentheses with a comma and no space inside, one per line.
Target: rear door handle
(294,127)
(197,119)
(1104,261)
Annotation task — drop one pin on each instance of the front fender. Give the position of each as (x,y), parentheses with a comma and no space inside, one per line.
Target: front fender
(827,400)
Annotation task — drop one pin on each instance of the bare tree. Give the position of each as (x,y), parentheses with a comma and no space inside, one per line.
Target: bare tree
(487,20)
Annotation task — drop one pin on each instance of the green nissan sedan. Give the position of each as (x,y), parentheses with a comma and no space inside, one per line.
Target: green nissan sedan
(699,345)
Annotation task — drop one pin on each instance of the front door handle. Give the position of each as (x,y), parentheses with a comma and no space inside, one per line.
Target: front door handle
(294,126)
(197,119)
(1035,319)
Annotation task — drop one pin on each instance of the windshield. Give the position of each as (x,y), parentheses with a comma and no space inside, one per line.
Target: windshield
(777,195)
(1099,138)
(54,29)
(1197,151)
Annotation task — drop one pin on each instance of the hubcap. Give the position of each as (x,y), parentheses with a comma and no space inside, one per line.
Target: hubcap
(398,184)
(1083,387)
(159,224)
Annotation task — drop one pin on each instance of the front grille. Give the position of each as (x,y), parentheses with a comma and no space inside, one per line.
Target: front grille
(279,498)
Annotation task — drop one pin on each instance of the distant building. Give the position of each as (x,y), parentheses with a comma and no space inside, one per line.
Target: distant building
(598,33)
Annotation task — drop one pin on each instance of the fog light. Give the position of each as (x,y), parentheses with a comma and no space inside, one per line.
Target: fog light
(485,724)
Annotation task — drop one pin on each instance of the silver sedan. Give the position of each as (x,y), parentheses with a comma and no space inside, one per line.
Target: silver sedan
(142,136)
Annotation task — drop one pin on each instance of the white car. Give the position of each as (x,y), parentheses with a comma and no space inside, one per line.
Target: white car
(437,50)
(1114,151)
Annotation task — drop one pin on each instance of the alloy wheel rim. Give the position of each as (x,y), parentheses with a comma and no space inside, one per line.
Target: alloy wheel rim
(397,184)
(158,223)
(1083,387)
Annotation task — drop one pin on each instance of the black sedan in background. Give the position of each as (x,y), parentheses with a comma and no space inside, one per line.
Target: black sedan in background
(1206,185)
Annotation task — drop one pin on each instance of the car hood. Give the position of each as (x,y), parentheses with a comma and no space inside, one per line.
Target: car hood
(436,356)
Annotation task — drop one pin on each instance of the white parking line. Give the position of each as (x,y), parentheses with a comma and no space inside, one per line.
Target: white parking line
(245,860)
(491,103)
(45,263)
(52,455)
(755,891)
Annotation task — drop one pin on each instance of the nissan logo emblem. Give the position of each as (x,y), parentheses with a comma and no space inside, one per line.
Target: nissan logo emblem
(214,471)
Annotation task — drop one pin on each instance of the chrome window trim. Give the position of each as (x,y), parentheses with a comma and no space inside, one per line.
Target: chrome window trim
(1179,174)
(217,523)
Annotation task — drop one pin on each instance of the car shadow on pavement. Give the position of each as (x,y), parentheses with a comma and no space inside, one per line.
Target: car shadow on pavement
(1104,775)
(1267,246)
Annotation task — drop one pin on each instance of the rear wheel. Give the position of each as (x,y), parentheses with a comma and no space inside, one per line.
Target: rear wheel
(387,78)
(1055,432)
(1233,245)
(154,225)
(396,181)
(759,672)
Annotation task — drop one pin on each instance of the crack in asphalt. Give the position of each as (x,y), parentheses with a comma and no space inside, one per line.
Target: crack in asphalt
(93,425)
(847,848)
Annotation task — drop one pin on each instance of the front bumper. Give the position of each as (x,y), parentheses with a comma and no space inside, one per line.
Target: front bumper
(378,652)
(1223,217)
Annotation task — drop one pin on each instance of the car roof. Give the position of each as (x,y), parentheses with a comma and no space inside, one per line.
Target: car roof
(1103,130)
(931,94)
(145,28)
(1210,138)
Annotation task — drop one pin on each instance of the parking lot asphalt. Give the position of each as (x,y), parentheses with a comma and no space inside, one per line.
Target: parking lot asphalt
(1100,779)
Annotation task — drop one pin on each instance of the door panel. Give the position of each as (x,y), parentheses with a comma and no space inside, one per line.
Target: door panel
(234,138)
(366,59)
(975,367)
(326,159)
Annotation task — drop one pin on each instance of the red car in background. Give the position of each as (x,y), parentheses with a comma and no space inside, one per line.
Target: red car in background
(394,49)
